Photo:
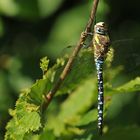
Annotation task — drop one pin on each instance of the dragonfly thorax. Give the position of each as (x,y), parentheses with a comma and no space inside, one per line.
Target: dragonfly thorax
(101,40)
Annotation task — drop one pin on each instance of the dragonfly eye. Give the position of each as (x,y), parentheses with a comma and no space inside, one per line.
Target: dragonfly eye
(100,31)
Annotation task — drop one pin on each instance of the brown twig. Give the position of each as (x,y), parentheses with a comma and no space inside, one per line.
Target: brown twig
(83,37)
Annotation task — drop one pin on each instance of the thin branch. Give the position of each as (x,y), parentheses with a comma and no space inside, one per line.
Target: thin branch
(68,66)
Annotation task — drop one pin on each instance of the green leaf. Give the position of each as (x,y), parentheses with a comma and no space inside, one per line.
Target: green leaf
(78,102)
(13,132)
(63,34)
(42,86)
(26,115)
(47,135)
(82,68)
(38,90)
(88,118)
(47,7)
(28,10)
(44,64)
(30,122)
(131,86)
(55,124)
(110,56)
(16,129)
(25,119)
(20,8)
(9,7)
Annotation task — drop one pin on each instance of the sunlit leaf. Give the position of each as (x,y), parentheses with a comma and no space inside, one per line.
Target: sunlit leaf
(9,7)
(88,118)
(78,102)
(25,119)
(131,86)
(47,7)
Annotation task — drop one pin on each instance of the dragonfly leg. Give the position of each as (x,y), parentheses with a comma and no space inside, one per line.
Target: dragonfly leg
(85,46)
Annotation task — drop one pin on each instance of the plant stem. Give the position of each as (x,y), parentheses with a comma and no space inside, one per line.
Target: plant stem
(68,66)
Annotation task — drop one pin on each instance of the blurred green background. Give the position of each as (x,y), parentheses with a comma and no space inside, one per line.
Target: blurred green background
(32,29)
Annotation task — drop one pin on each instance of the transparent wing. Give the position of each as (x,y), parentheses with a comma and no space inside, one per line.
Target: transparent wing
(127,53)
(125,49)
(82,67)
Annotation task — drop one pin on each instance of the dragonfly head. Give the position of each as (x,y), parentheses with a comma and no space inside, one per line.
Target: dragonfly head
(101,28)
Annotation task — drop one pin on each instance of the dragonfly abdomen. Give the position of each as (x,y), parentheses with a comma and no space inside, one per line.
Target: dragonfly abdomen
(99,67)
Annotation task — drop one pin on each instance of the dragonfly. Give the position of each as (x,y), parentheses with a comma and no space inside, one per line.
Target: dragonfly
(101,43)
(100,46)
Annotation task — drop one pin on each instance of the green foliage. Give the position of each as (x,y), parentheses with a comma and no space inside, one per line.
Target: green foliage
(32,29)
(32,9)
(26,116)
(25,119)
(131,86)
(76,116)
(44,64)
(67,33)
(47,7)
